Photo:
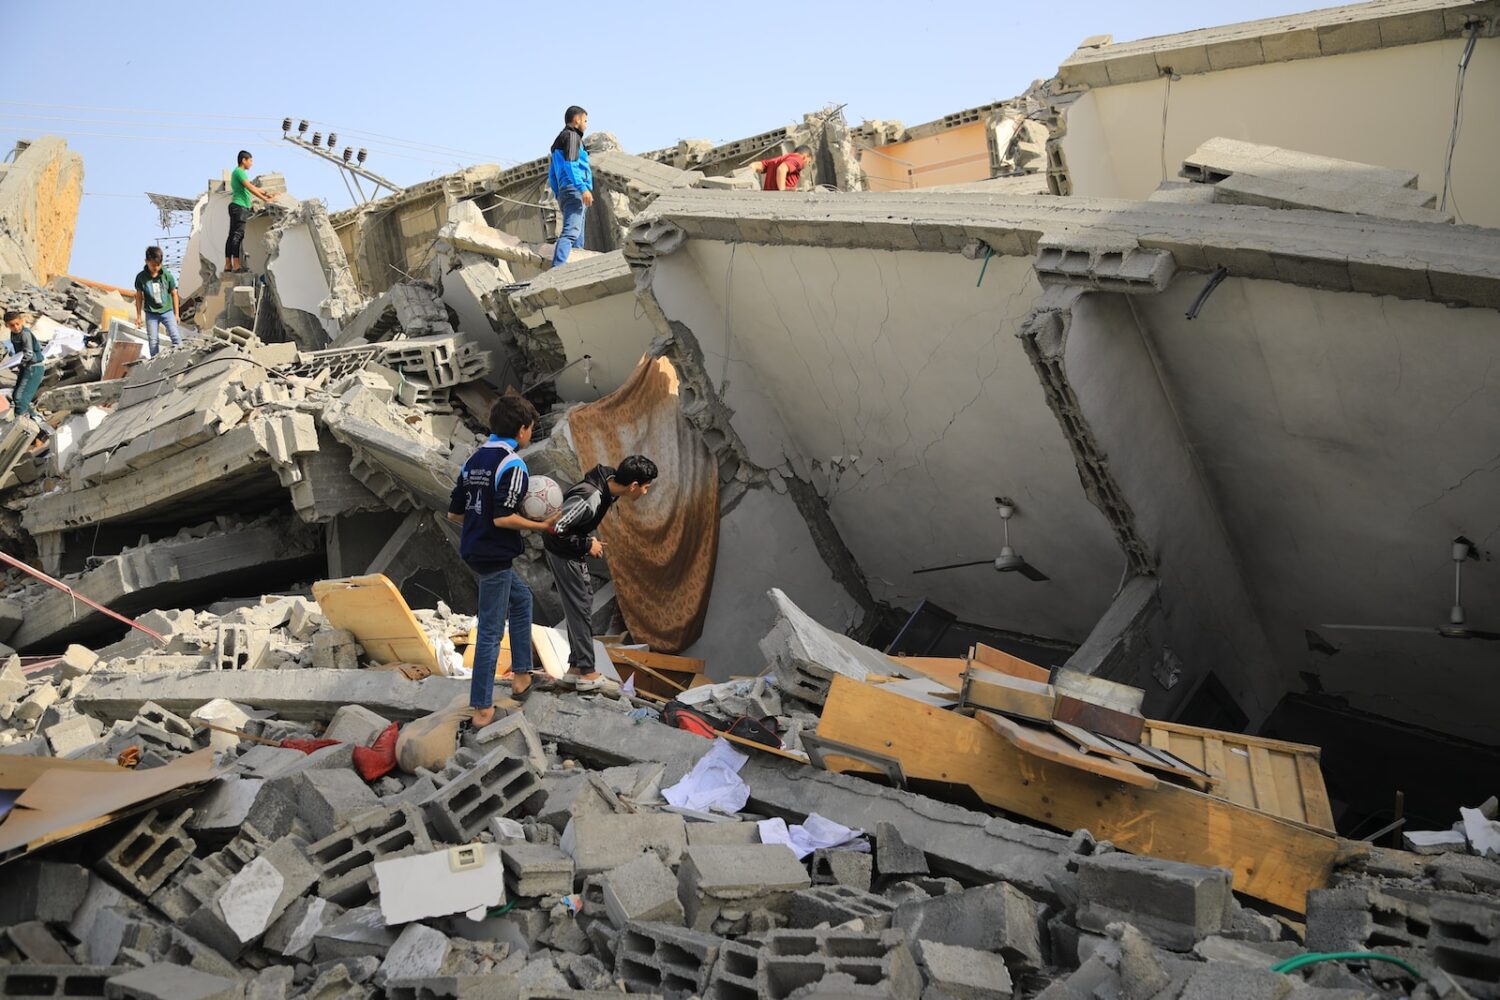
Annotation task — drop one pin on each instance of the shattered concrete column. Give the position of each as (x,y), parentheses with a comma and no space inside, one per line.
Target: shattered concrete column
(309,276)
(39,196)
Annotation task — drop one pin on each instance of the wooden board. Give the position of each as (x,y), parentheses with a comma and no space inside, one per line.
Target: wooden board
(1275,776)
(1272,858)
(946,670)
(649,681)
(1011,695)
(543,652)
(1154,758)
(373,609)
(1003,663)
(1098,691)
(664,662)
(1098,718)
(1049,746)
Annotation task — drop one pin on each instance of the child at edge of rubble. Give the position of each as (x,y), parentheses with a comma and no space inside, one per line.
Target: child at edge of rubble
(29,373)
(156,294)
(486,500)
(571,539)
(240,190)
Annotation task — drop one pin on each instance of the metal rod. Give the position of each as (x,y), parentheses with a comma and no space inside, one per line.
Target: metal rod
(18,564)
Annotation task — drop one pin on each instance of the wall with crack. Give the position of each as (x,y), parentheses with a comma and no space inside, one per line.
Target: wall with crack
(1392,106)
(1209,622)
(898,389)
(1347,438)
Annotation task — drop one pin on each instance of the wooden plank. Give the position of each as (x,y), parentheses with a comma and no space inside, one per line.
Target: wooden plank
(1200,732)
(647,679)
(1261,781)
(945,670)
(1213,759)
(1155,759)
(1272,858)
(1049,746)
(1098,718)
(1012,695)
(1098,691)
(1288,784)
(1314,793)
(1003,663)
(657,661)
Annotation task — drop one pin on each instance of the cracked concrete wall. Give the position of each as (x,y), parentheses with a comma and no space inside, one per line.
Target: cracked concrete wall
(309,276)
(898,389)
(39,195)
(1343,105)
(1210,621)
(1346,439)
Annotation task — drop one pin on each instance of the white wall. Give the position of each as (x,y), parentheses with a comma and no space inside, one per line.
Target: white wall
(1392,107)
(300,282)
(764,542)
(899,389)
(1347,438)
(613,331)
(1211,621)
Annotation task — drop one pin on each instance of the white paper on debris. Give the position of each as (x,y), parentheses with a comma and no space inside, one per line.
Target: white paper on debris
(816,832)
(1483,832)
(713,783)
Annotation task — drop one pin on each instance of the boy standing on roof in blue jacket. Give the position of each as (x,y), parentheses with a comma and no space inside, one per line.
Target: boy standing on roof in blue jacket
(571,181)
(487,502)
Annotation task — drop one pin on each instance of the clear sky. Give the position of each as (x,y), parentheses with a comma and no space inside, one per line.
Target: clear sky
(159,97)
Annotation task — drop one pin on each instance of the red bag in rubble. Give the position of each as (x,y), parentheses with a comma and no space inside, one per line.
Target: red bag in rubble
(379,758)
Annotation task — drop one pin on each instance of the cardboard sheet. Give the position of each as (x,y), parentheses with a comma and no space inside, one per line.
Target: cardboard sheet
(62,802)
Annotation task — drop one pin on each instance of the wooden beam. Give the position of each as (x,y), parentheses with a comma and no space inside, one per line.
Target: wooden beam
(1098,718)
(1011,695)
(1272,858)
(656,661)
(1003,663)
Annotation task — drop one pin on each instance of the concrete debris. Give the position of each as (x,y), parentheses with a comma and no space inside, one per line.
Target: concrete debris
(166,519)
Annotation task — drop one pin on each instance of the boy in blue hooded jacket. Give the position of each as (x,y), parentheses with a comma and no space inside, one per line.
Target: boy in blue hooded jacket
(572,182)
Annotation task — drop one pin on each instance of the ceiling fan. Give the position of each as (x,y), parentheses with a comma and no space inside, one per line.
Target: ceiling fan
(1456,628)
(1008,561)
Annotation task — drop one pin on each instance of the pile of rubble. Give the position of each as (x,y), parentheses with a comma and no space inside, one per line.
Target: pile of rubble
(234,639)
(581,846)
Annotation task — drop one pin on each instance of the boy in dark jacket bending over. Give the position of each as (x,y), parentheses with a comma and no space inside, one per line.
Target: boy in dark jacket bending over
(572,539)
(487,502)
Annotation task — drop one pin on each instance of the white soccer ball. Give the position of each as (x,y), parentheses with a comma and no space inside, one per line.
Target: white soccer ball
(543,498)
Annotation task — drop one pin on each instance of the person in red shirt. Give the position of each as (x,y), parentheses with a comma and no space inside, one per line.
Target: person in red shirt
(783,172)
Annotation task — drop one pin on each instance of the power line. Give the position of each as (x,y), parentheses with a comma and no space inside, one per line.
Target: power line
(403,143)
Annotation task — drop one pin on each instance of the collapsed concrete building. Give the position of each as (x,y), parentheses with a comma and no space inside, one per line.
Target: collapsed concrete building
(1220,374)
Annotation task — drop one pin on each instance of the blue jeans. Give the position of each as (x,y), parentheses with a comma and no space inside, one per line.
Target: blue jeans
(570,200)
(502,596)
(153,337)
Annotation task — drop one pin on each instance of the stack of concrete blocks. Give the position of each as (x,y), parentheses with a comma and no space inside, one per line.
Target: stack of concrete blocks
(827,961)
(1176,905)
(345,858)
(153,850)
(1456,932)
(662,958)
(726,883)
(474,787)
(536,870)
